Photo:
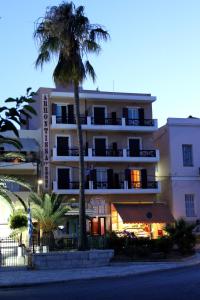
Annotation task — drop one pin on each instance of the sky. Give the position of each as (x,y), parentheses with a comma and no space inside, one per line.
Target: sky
(154,48)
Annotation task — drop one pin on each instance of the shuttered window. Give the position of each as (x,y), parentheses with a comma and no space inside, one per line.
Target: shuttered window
(187,155)
(189,205)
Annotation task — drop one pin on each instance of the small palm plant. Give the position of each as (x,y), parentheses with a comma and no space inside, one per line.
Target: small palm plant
(49,213)
(182,235)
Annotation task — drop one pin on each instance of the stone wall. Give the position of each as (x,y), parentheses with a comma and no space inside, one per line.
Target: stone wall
(72,259)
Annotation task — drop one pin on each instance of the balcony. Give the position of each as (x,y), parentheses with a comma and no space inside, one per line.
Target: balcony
(104,188)
(112,124)
(108,155)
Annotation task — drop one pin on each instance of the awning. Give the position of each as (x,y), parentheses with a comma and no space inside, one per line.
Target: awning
(144,213)
(28,145)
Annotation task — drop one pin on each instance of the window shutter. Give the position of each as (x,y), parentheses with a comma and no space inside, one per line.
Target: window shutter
(53,108)
(128,177)
(93,176)
(70,111)
(110,178)
(116,181)
(144,178)
(125,114)
(141,116)
(86,148)
(114,118)
(64,113)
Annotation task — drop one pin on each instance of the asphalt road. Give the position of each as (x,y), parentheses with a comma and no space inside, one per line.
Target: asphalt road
(168,285)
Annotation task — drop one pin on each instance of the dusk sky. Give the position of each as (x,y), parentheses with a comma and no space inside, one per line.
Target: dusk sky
(154,48)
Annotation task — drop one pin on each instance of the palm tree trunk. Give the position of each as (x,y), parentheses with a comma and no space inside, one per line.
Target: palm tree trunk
(82,240)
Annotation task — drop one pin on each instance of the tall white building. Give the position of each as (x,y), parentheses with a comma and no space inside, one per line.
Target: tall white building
(120,186)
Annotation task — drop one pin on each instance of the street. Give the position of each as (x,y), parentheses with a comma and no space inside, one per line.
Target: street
(167,285)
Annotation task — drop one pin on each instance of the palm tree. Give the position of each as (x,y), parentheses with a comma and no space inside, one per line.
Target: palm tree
(66,32)
(48,211)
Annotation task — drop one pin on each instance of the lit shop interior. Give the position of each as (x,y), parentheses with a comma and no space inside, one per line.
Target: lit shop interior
(141,220)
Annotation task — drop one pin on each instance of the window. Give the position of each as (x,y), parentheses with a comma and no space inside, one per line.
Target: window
(101,174)
(133,113)
(136,178)
(187,155)
(189,205)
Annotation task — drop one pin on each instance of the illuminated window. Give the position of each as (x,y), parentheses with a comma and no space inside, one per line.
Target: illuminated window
(136,178)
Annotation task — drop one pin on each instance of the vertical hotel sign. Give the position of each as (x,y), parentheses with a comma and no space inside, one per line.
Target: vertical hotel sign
(45,141)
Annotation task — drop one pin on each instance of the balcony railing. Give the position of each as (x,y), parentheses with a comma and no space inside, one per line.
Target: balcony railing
(105,185)
(146,185)
(139,122)
(70,120)
(107,152)
(141,153)
(109,121)
(71,152)
(106,121)
(99,185)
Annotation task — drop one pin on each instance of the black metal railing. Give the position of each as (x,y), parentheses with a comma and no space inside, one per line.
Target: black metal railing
(141,153)
(108,185)
(12,254)
(70,120)
(106,121)
(49,243)
(72,185)
(143,185)
(107,152)
(111,185)
(71,152)
(139,122)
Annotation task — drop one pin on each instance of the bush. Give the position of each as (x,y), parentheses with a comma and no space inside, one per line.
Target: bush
(163,244)
(182,236)
(115,242)
(18,221)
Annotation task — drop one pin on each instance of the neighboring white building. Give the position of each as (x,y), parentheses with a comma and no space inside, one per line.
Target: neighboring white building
(27,170)
(179,166)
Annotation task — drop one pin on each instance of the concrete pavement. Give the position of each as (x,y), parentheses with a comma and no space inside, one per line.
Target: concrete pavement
(23,277)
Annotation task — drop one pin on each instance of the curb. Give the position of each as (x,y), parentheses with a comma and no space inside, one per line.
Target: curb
(92,277)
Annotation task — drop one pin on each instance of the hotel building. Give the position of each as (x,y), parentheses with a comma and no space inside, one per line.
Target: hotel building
(120,185)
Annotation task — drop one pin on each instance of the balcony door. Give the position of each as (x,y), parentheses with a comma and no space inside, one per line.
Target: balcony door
(134,147)
(63,178)
(65,114)
(99,115)
(136,178)
(100,146)
(102,177)
(62,145)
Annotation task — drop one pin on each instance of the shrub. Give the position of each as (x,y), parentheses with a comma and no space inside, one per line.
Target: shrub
(18,221)
(181,234)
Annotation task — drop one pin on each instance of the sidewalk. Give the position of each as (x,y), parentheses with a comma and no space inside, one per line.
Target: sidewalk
(23,277)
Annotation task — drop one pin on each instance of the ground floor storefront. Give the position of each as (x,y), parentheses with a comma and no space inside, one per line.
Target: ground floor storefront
(140,220)
(144,219)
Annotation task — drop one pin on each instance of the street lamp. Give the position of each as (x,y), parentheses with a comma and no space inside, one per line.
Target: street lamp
(39,183)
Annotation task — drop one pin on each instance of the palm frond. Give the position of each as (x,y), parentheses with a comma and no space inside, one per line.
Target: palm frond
(21,201)
(11,141)
(35,198)
(89,70)
(5,179)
